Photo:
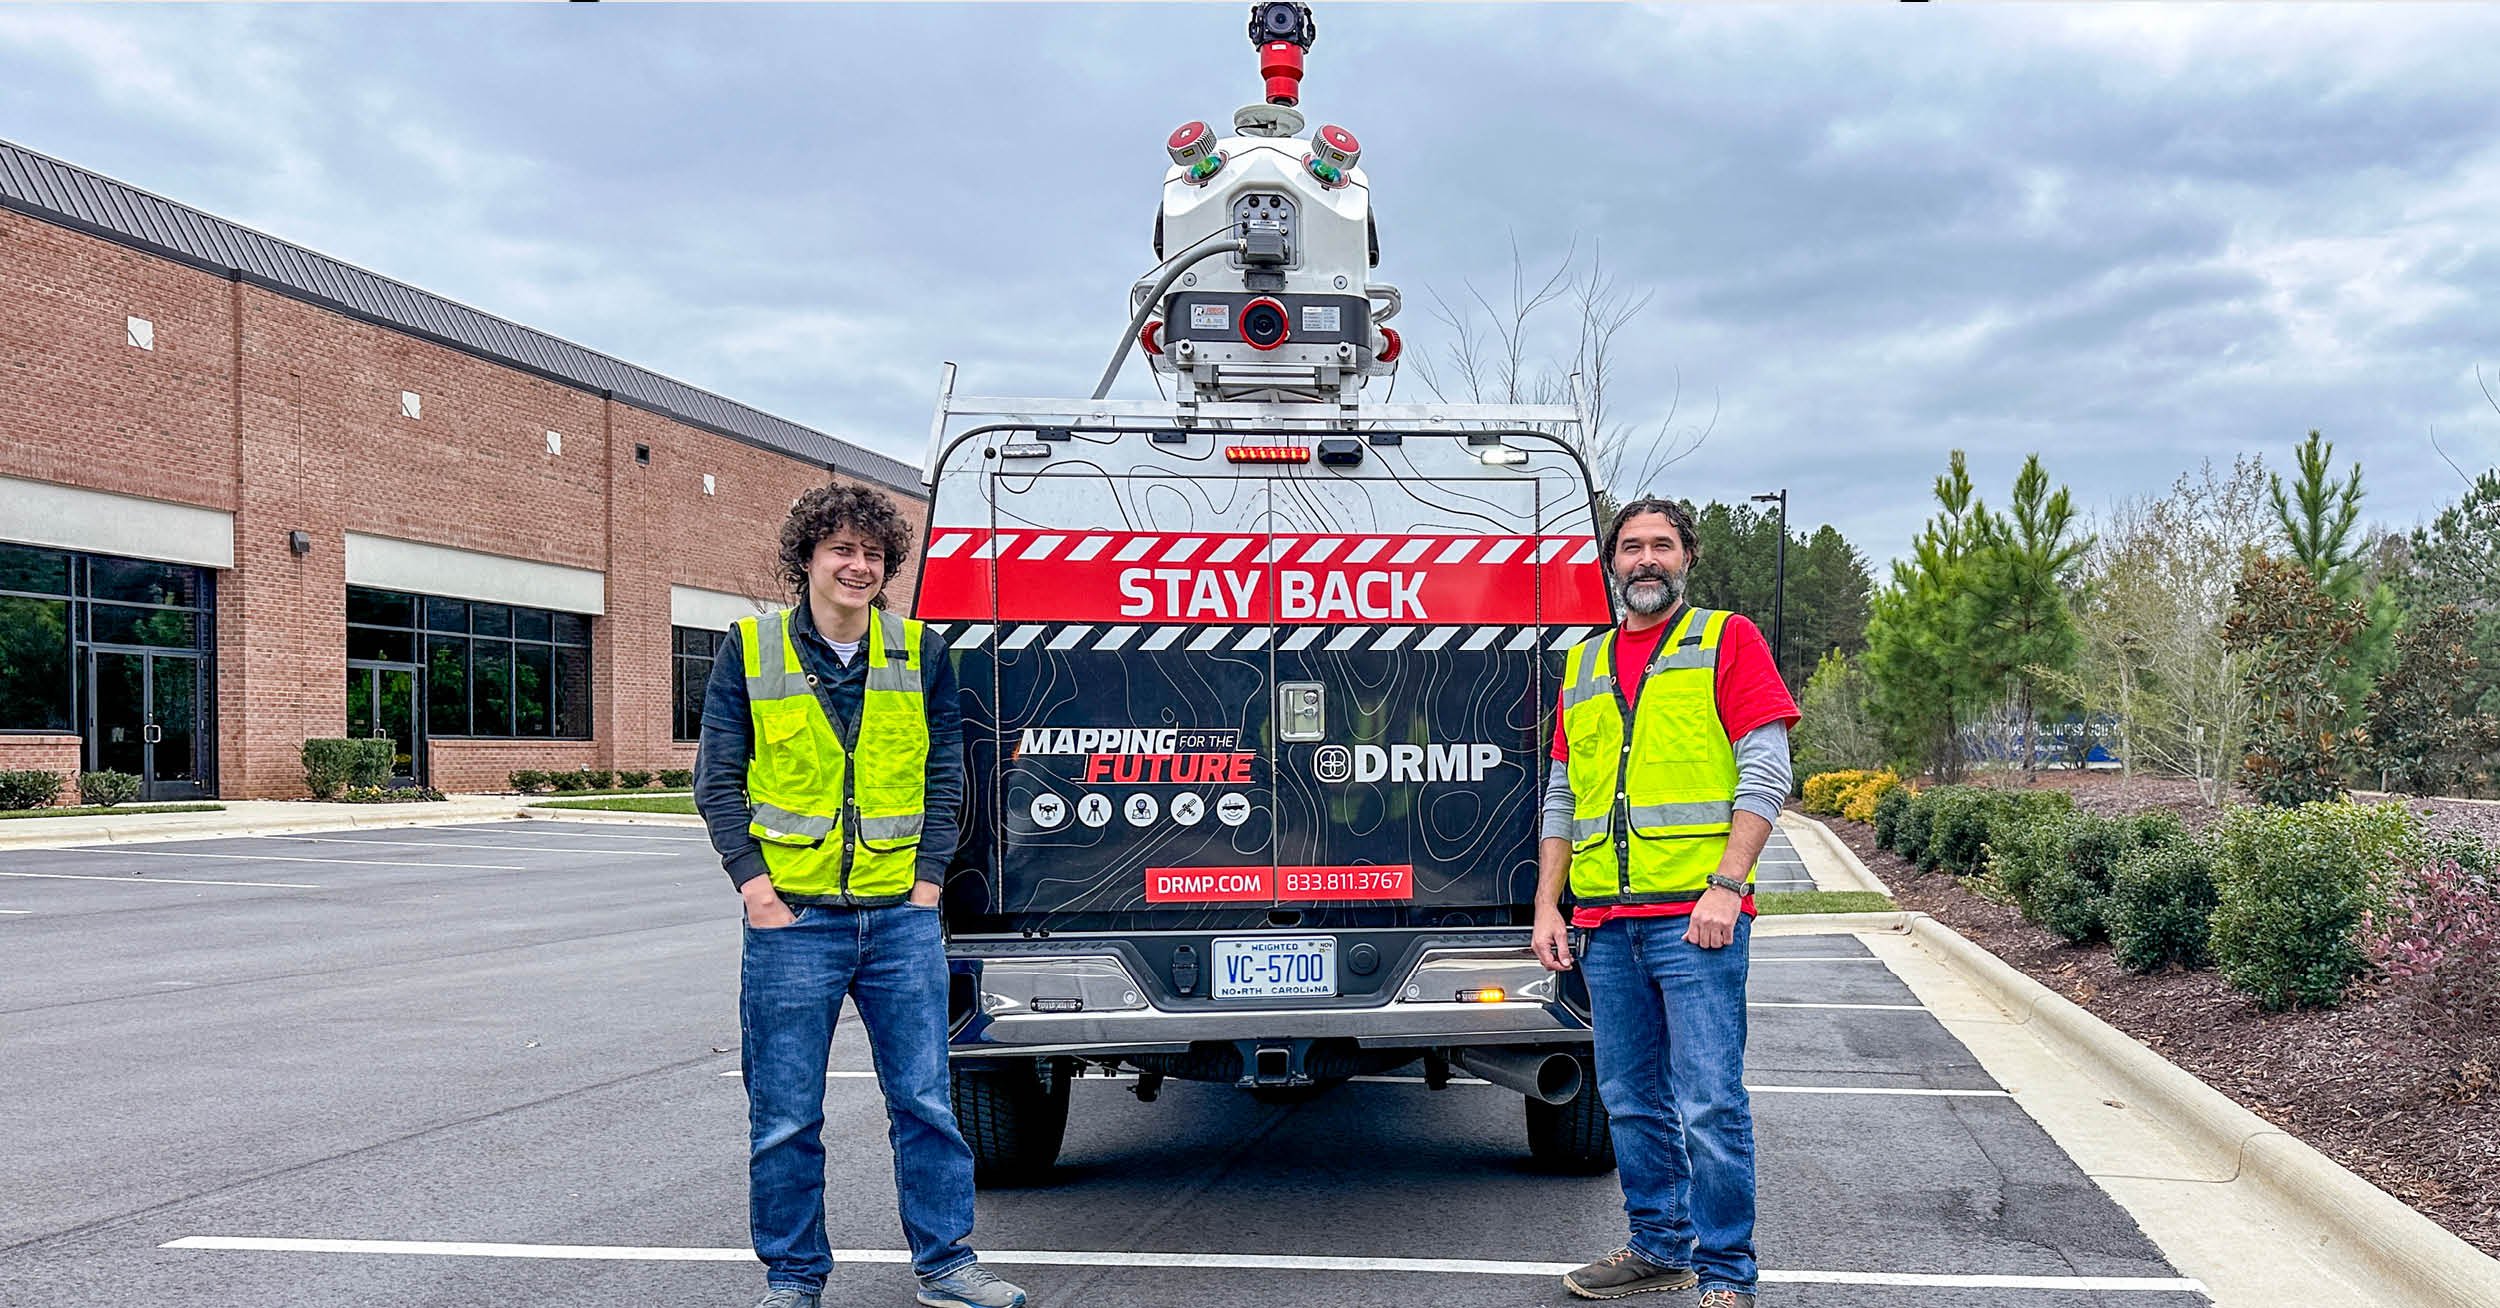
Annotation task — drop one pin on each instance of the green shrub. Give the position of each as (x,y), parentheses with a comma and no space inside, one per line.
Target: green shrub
(634,780)
(1967,820)
(2068,896)
(527,781)
(107,788)
(2019,862)
(29,788)
(370,767)
(677,778)
(1918,821)
(1888,814)
(597,779)
(2290,889)
(330,766)
(2161,904)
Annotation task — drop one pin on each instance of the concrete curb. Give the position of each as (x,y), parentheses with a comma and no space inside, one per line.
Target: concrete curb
(2349,1217)
(140,829)
(1833,845)
(612,815)
(1828,924)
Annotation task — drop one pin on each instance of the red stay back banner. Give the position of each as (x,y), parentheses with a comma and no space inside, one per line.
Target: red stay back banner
(1248,578)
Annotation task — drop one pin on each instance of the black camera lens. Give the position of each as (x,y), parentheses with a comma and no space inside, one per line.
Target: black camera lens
(1281,22)
(1263,324)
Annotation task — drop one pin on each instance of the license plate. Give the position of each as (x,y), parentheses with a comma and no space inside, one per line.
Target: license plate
(1275,967)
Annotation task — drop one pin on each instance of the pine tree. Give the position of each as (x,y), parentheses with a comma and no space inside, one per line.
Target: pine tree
(2320,517)
(2019,580)
(1920,658)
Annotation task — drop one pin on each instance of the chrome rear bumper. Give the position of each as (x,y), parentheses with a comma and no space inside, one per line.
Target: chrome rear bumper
(1091,1001)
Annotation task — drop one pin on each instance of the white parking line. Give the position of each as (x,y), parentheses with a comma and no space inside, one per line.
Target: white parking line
(1759,960)
(1911,1092)
(610,835)
(1195,1261)
(160,881)
(17,912)
(453,844)
(290,858)
(1866,1008)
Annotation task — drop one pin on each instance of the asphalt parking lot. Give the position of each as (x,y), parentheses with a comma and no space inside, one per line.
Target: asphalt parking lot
(496,1064)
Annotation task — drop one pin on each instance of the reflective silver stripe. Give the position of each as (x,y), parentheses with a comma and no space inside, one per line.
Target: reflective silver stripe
(1582,692)
(1688,658)
(782,822)
(1700,813)
(896,672)
(1584,828)
(890,828)
(772,654)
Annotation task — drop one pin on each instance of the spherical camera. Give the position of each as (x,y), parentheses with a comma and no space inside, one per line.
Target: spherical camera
(1281,20)
(1263,324)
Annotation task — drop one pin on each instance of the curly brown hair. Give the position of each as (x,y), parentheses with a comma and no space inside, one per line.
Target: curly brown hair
(1677,516)
(829,509)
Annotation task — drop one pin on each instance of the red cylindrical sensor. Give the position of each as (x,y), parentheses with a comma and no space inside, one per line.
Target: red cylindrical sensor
(1280,62)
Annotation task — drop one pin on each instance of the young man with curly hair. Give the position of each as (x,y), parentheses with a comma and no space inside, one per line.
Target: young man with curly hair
(830,774)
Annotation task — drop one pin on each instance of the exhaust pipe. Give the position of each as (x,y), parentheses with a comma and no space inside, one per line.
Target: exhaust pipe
(1545,1076)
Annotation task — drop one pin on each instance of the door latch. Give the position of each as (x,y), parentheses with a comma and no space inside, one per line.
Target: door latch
(1301,710)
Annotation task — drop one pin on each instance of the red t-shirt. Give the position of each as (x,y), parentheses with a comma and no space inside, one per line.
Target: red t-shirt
(1750,694)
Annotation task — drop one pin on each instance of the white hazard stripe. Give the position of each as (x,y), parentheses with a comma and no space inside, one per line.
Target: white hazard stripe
(1366,552)
(1502,550)
(1229,550)
(1587,553)
(1411,551)
(945,546)
(1292,638)
(995,546)
(1134,550)
(1088,548)
(1321,549)
(1182,549)
(1547,549)
(1041,547)
(1456,553)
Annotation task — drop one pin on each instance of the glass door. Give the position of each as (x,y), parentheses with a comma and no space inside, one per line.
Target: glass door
(382,705)
(147,720)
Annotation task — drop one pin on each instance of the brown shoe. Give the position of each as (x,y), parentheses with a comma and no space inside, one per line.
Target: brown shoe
(1624,1273)
(1723,1297)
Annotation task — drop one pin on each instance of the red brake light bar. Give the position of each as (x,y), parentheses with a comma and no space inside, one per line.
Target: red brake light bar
(1268,453)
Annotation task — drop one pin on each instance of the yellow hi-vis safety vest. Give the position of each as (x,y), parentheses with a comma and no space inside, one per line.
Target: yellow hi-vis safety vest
(1652,789)
(831,823)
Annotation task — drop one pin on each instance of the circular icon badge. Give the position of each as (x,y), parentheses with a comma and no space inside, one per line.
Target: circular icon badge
(1188,807)
(1049,811)
(1233,808)
(1140,809)
(1094,810)
(1333,763)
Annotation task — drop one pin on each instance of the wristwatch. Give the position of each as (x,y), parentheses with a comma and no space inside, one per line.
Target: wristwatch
(1733,885)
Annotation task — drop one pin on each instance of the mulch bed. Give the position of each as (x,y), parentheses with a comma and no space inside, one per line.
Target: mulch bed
(2417,1118)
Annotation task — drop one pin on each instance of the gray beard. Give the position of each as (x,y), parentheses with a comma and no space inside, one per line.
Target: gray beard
(1647,602)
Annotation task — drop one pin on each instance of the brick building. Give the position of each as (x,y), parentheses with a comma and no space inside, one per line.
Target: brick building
(251,495)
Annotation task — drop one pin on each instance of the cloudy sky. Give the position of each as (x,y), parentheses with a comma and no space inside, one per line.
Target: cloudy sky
(2126,237)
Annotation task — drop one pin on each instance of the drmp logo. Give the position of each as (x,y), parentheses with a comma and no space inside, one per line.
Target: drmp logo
(1405,763)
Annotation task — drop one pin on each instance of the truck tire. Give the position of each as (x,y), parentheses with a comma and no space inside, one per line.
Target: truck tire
(1572,1139)
(1014,1119)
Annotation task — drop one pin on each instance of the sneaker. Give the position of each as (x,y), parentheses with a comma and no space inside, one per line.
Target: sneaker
(1624,1273)
(1720,1296)
(969,1286)
(785,1297)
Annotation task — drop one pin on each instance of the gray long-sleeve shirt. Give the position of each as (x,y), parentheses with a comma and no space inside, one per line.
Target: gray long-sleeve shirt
(1763,776)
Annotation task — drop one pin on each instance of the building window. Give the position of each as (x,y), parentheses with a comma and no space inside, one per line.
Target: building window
(56,605)
(693,665)
(490,669)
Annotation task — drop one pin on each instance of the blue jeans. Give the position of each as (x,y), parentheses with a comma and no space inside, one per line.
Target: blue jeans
(1670,1035)
(790,987)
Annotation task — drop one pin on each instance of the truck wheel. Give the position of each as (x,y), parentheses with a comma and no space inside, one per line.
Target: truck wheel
(1572,1139)
(1013,1120)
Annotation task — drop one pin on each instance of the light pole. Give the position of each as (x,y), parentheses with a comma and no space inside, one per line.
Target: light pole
(1779,601)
